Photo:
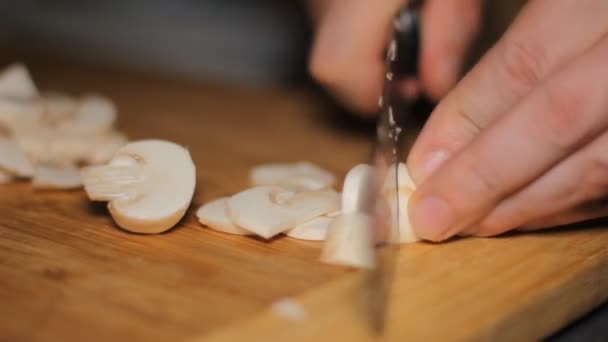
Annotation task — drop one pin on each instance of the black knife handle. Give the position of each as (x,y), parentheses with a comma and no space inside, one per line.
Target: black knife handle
(407,38)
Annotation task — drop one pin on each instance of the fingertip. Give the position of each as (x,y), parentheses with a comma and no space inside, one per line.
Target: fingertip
(431,217)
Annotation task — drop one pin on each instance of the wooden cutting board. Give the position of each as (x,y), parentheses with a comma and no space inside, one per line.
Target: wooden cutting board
(68,273)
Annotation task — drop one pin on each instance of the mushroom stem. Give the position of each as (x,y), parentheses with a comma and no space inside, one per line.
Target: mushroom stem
(110,182)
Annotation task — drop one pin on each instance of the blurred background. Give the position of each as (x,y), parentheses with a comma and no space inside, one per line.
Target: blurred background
(248,42)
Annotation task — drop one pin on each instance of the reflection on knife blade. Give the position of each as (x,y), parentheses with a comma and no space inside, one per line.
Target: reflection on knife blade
(385,160)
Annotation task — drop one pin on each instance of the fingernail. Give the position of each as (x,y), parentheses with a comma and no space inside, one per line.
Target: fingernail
(433,161)
(431,217)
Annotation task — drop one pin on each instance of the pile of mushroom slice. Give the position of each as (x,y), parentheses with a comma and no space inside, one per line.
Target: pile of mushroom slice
(297,200)
(291,199)
(47,137)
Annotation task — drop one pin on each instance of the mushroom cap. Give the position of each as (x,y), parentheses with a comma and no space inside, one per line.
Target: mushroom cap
(165,192)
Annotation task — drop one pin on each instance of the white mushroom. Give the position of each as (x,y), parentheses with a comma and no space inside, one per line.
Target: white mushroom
(16,82)
(349,241)
(13,159)
(405,181)
(56,177)
(270,210)
(20,115)
(298,176)
(356,188)
(58,107)
(95,114)
(314,230)
(149,185)
(404,230)
(105,146)
(214,215)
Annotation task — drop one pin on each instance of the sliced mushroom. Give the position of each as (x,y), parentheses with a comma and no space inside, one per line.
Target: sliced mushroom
(297,176)
(68,150)
(405,232)
(214,215)
(95,114)
(356,188)
(16,82)
(270,210)
(105,147)
(20,115)
(58,107)
(13,159)
(314,230)
(149,185)
(405,181)
(56,177)
(348,241)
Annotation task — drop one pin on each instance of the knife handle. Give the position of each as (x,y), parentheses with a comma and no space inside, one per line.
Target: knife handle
(407,37)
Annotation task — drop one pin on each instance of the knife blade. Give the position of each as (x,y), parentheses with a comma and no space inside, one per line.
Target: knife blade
(401,61)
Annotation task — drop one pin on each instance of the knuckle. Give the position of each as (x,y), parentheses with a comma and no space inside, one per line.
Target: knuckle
(523,62)
(485,180)
(324,69)
(561,115)
(470,124)
(597,178)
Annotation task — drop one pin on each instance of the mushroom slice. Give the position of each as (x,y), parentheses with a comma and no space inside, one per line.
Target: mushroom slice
(214,215)
(348,241)
(270,210)
(405,232)
(56,177)
(58,107)
(94,115)
(13,159)
(5,177)
(405,181)
(149,185)
(66,149)
(105,146)
(19,114)
(16,82)
(355,188)
(298,176)
(314,230)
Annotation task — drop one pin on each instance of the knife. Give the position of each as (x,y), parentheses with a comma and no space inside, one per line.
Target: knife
(388,147)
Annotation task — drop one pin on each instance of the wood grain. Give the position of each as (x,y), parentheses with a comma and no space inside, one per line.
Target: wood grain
(68,273)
